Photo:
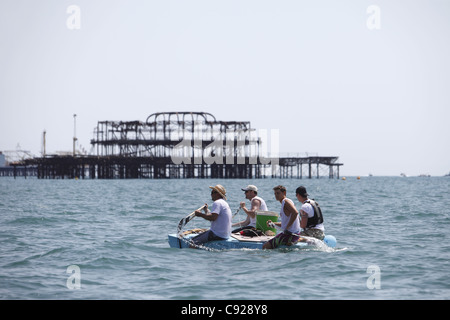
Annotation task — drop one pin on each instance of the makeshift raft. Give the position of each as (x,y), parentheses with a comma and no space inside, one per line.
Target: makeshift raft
(238,241)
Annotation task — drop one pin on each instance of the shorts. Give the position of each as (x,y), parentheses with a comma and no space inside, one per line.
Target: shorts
(205,237)
(283,239)
(315,233)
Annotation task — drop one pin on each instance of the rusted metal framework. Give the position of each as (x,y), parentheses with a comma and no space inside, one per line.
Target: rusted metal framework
(161,132)
(177,145)
(191,137)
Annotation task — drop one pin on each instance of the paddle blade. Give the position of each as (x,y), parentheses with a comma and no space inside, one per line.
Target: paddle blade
(186,219)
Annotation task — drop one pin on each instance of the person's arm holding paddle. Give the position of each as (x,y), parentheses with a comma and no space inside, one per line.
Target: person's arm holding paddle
(210,216)
(255,206)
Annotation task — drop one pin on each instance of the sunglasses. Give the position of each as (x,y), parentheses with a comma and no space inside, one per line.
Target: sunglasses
(214,191)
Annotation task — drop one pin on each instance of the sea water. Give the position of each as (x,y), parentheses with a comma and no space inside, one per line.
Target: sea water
(107,239)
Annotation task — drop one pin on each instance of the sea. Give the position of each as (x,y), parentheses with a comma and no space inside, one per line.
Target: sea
(107,240)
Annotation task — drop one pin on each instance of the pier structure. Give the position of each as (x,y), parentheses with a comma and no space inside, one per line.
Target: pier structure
(18,171)
(292,167)
(16,156)
(178,145)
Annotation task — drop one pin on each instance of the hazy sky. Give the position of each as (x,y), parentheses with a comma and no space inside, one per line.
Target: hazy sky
(331,77)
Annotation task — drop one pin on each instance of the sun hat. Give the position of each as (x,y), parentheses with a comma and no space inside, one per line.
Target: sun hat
(250,187)
(221,190)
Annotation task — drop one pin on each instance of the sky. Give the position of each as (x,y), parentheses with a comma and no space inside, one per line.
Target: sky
(367,81)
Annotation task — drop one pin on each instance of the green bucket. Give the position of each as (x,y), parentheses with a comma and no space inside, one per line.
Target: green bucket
(261,220)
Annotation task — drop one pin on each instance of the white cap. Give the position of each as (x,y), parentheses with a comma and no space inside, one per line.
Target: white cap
(250,187)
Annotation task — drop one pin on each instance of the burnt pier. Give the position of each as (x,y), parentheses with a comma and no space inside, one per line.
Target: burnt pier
(179,145)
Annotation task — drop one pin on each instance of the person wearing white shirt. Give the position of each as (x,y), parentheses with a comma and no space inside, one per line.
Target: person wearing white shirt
(219,215)
(311,215)
(256,202)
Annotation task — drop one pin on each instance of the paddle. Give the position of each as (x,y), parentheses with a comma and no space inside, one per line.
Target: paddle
(186,219)
(236,212)
(191,216)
